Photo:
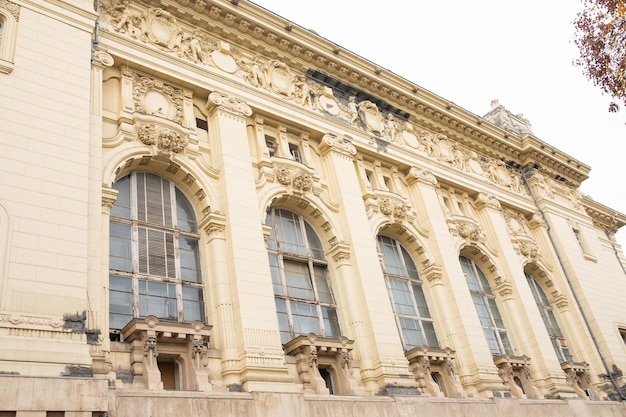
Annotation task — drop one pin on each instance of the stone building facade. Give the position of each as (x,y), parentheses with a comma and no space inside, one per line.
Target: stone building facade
(205,208)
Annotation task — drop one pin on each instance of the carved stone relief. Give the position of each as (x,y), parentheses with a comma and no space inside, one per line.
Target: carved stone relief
(157,27)
(155,98)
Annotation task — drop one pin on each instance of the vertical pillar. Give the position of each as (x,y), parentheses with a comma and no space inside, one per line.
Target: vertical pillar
(446,284)
(259,360)
(517,302)
(100,202)
(220,294)
(362,291)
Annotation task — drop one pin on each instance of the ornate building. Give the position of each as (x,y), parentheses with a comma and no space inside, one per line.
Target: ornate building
(208,210)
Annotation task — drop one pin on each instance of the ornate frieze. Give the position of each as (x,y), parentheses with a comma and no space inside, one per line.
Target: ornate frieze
(166,29)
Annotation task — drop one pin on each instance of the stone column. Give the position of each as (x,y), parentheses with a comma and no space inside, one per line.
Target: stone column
(362,294)
(100,202)
(515,299)
(221,298)
(254,333)
(453,310)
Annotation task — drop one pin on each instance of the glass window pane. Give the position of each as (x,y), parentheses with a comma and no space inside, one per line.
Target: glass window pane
(391,257)
(323,289)
(411,269)
(305,319)
(492,341)
(506,343)
(275,271)
(470,275)
(315,245)
(483,281)
(483,312)
(331,322)
(120,302)
(189,259)
(420,300)
(119,247)
(271,241)
(157,299)
(411,332)
(193,307)
(429,332)
(185,216)
(298,281)
(495,313)
(121,208)
(289,232)
(283,321)
(401,297)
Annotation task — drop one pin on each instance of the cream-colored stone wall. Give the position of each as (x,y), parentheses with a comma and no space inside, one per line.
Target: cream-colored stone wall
(77,116)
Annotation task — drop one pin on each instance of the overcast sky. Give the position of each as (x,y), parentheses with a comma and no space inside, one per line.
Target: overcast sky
(470,52)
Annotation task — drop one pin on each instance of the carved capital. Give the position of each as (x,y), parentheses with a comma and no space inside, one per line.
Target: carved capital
(213,224)
(102,59)
(109,196)
(487,200)
(229,104)
(421,175)
(342,146)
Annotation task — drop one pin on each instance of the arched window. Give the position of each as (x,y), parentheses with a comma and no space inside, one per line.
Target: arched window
(304,299)
(486,307)
(154,260)
(9,18)
(549,319)
(407,296)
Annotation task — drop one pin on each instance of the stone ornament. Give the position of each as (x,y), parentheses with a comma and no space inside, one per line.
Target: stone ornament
(159,28)
(342,145)
(165,139)
(12,8)
(230,104)
(371,118)
(102,58)
(155,98)
(299,180)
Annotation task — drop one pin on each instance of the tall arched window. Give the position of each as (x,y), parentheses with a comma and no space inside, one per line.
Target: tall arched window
(487,309)
(304,299)
(407,296)
(549,319)
(154,260)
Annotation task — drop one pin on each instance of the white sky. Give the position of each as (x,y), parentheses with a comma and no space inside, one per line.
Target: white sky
(470,52)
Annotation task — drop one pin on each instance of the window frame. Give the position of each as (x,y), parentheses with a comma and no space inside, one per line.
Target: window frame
(490,312)
(410,285)
(549,319)
(288,297)
(175,278)
(8,38)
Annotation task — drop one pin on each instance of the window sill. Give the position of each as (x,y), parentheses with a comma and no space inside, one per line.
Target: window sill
(6,66)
